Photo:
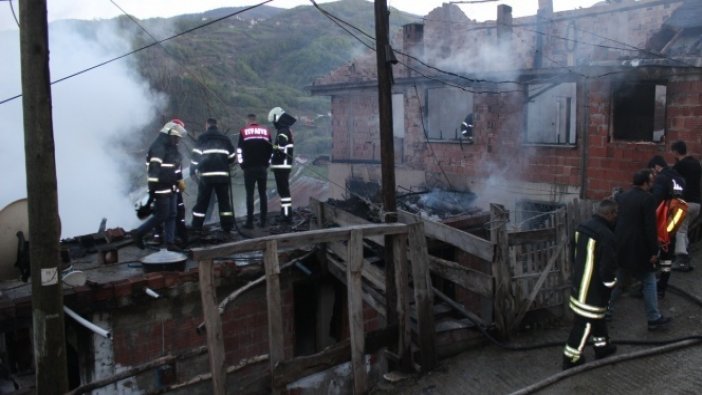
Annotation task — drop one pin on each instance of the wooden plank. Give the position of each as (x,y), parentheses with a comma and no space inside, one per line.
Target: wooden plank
(537,287)
(472,280)
(423,295)
(504,297)
(296,240)
(472,244)
(294,369)
(215,339)
(474,318)
(404,329)
(354,280)
(371,273)
(275,310)
(531,236)
(341,217)
(372,297)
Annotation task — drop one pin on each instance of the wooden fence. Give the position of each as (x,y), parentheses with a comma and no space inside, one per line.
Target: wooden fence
(285,370)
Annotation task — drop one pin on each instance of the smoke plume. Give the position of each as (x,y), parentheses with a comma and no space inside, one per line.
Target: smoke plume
(93,115)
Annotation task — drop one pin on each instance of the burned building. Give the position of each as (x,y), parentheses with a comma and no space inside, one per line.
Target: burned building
(563,105)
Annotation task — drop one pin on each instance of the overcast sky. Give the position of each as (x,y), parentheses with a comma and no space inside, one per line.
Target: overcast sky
(99,9)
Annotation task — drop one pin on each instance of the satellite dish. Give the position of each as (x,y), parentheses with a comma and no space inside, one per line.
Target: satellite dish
(13,218)
(74,278)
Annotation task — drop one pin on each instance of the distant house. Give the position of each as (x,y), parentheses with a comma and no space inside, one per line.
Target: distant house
(565,105)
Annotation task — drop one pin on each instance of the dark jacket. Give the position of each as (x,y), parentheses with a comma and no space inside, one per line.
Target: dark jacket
(689,168)
(636,230)
(594,268)
(212,155)
(254,148)
(283,149)
(163,165)
(667,184)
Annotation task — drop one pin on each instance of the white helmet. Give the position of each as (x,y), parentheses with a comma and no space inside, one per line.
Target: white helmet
(174,127)
(275,114)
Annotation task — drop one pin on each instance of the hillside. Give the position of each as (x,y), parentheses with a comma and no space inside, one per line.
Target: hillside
(254,61)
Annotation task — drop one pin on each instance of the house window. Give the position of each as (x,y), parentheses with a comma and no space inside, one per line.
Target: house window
(551,113)
(446,110)
(638,111)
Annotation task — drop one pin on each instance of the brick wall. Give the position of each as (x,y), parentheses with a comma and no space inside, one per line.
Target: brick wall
(574,38)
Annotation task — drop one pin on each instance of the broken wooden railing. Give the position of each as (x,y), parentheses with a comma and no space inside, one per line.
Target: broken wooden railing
(284,371)
(523,270)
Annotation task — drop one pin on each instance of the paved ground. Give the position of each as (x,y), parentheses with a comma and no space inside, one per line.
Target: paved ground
(493,370)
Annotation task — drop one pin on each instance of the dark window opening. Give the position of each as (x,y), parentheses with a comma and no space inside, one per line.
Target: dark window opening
(319,315)
(638,111)
(446,109)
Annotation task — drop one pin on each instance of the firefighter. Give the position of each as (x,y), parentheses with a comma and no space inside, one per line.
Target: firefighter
(254,154)
(689,168)
(667,190)
(210,160)
(165,178)
(594,267)
(467,128)
(281,161)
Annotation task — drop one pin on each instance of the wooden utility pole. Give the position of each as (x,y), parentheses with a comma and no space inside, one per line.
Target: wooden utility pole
(384,58)
(44,228)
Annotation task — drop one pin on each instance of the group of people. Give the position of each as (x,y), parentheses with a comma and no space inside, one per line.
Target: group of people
(640,234)
(211,160)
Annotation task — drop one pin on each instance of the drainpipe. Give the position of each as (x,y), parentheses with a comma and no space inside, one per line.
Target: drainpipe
(584,138)
(102,332)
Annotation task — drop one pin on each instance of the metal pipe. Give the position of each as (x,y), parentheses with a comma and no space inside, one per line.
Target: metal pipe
(102,332)
(152,293)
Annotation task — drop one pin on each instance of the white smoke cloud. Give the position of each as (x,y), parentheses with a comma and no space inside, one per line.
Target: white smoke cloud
(91,113)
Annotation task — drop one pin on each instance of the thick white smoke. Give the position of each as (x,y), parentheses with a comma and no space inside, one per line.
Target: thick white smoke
(92,113)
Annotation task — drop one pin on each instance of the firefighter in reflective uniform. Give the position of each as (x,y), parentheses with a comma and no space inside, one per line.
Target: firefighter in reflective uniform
(668,185)
(281,161)
(210,161)
(165,178)
(594,267)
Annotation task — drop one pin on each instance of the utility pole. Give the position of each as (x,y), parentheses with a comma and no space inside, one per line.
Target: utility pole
(42,198)
(385,59)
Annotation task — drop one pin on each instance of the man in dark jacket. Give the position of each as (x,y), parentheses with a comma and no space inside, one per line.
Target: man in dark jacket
(253,153)
(210,161)
(667,184)
(281,162)
(165,178)
(689,168)
(637,245)
(594,267)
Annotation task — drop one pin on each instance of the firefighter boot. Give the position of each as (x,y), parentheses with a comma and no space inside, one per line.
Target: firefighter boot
(249,222)
(568,362)
(605,351)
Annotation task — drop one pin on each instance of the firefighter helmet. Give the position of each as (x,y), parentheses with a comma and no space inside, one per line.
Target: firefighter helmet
(275,114)
(174,127)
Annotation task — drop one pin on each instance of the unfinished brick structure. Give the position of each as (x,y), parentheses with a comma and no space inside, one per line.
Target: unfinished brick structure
(565,105)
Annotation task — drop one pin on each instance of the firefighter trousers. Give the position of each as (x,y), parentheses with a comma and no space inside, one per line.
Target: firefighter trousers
(226,215)
(282,183)
(583,330)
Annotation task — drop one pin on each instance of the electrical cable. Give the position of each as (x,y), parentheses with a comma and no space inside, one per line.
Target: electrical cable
(170,55)
(182,33)
(14,15)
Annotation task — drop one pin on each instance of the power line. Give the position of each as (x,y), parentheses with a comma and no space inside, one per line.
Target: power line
(187,31)
(14,15)
(178,62)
